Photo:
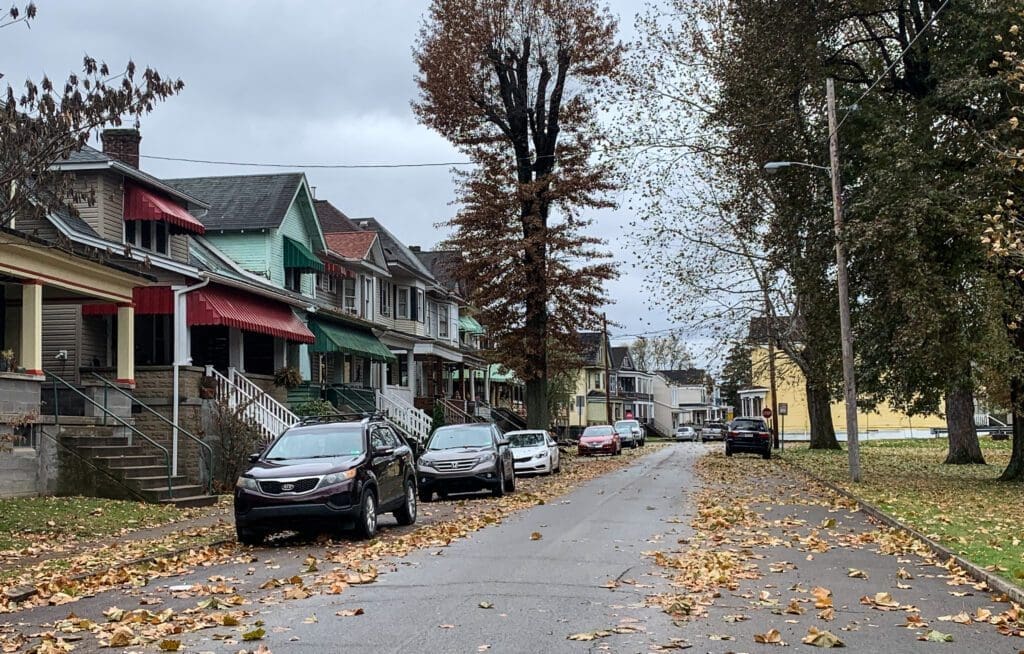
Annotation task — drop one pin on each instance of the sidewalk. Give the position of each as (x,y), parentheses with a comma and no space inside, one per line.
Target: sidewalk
(778,559)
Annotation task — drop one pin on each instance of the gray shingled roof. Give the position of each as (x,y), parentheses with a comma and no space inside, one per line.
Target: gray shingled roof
(440,264)
(242,201)
(618,354)
(688,377)
(333,219)
(394,250)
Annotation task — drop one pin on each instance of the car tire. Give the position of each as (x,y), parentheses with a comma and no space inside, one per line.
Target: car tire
(728,450)
(366,525)
(510,487)
(498,490)
(406,515)
(249,536)
(767,454)
(426,496)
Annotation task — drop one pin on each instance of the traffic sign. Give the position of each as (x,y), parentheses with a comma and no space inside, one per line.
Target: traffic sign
(766,412)
(783,408)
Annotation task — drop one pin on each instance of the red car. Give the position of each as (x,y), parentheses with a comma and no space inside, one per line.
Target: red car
(600,439)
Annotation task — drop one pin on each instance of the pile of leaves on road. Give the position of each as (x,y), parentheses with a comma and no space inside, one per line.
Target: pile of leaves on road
(231,606)
(747,531)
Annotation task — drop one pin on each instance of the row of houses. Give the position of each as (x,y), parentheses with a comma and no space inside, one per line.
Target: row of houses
(156,295)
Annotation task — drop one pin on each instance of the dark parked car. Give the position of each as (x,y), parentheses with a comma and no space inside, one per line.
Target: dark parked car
(340,471)
(749,435)
(599,439)
(463,458)
(712,431)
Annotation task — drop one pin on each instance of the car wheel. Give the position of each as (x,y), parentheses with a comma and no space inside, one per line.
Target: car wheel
(366,527)
(248,536)
(767,454)
(499,487)
(407,514)
(635,445)
(511,487)
(728,450)
(426,496)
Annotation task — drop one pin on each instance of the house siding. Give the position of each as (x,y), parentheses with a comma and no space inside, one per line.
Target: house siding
(249,250)
(61,331)
(93,342)
(110,198)
(296,225)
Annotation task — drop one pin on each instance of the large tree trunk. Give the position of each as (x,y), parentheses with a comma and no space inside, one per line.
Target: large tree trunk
(537,404)
(819,409)
(1015,469)
(963,435)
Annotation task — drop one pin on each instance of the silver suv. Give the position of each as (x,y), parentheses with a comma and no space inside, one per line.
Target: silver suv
(469,457)
(631,433)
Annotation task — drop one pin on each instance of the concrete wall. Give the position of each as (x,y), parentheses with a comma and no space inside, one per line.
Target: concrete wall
(20,467)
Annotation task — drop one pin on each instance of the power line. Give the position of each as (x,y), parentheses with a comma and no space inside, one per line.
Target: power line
(255,164)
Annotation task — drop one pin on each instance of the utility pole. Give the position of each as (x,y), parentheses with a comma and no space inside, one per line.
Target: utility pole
(770,317)
(607,372)
(843,282)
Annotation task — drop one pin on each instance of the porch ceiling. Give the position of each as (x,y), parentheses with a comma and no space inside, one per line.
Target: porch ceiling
(75,277)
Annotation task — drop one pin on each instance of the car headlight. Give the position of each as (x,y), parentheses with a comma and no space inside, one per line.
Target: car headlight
(248,483)
(541,455)
(486,457)
(337,478)
(424,464)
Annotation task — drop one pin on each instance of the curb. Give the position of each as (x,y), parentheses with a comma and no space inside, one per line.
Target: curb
(994,582)
(20,594)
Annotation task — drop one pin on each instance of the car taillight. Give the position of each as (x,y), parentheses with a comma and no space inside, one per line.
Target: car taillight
(733,434)
(763,434)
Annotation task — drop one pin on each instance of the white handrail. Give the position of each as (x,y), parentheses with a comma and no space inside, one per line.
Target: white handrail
(269,415)
(405,415)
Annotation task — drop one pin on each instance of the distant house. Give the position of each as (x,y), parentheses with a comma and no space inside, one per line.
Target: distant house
(685,397)
(594,396)
(634,386)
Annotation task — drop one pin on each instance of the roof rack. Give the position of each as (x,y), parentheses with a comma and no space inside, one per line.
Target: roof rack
(325,418)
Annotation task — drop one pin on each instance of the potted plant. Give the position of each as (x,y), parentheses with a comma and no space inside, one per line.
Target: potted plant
(207,388)
(288,377)
(7,360)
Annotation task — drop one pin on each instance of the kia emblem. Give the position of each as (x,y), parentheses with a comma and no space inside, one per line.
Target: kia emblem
(287,487)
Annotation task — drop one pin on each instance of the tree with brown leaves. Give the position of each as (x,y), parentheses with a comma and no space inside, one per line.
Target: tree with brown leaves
(514,85)
(46,122)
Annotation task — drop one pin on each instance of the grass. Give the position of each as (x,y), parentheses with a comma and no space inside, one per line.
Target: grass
(963,507)
(49,522)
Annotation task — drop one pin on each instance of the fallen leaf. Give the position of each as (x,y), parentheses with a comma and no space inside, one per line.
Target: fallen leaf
(936,637)
(348,613)
(122,637)
(536,535)
(255,634)
(770,637)
(856,574)
(170,645)
(819,638)
(486,605)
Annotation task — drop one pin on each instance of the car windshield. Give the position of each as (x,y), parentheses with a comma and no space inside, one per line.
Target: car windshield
(447,438)
(597,431)
(684,428)
(627,424)
(318,444)
(749,425)
(527,439)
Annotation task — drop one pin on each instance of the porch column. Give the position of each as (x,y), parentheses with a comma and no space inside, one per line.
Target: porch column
(487,384)
(472,384)
(32,326)
(410,366)
(125,343)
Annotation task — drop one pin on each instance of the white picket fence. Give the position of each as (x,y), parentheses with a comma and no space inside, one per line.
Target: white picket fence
(269,415)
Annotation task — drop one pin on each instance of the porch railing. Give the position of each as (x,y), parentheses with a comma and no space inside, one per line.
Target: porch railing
(357,398)
(270,416)
(414,421)
(208,459)
(454,414)
(118,419)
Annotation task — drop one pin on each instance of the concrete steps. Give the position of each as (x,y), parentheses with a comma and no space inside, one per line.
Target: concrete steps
(138,468)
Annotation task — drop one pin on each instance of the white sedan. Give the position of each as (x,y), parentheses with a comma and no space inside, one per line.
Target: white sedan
(534,451)
(686,433)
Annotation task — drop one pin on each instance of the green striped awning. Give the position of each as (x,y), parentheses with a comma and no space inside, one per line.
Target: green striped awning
(332,337)
(469,324)
(297,255)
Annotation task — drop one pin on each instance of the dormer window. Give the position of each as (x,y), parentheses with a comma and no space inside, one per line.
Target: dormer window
(147,235)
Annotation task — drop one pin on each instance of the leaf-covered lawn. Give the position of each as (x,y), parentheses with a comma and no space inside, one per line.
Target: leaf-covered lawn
(44,522)
(962,506)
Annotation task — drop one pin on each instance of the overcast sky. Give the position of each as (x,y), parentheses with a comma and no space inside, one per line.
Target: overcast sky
(293,82)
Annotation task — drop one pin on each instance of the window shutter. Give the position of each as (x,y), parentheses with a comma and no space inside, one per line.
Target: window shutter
(413,309)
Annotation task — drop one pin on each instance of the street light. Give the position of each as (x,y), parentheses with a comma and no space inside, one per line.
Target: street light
(842,278)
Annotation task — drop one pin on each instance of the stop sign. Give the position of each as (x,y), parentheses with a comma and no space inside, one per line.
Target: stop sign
(766,412)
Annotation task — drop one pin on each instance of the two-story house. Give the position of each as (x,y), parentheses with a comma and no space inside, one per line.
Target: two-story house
(684,397)
(635,387)
(594,394)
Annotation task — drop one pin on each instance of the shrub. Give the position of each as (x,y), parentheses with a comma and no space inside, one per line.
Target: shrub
(237,437)
(315,408)
(437,417)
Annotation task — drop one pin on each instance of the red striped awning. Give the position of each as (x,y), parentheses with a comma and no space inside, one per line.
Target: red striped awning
(217,305)
(333,269)
(142,204)
(148,301)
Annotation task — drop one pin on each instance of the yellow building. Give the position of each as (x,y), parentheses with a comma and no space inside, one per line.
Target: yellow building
(884,420)
(589,407)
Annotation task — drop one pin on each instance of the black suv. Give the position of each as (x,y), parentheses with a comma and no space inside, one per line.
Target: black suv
(469,457)
(749,435)
(327,472)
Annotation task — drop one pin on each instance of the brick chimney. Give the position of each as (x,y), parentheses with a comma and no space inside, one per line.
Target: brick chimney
(122,144)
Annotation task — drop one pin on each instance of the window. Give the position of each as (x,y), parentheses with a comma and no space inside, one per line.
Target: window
(420,309)
(293,279)
(368,298)
(348,292)
(153,338)
(147,234)
(385,298)
(432,318)
(442,321)
(595,380)
(403,302)
(327,283)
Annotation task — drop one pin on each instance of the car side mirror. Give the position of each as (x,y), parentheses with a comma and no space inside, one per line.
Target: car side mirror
(383,451)
(502,442)
(253,458)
